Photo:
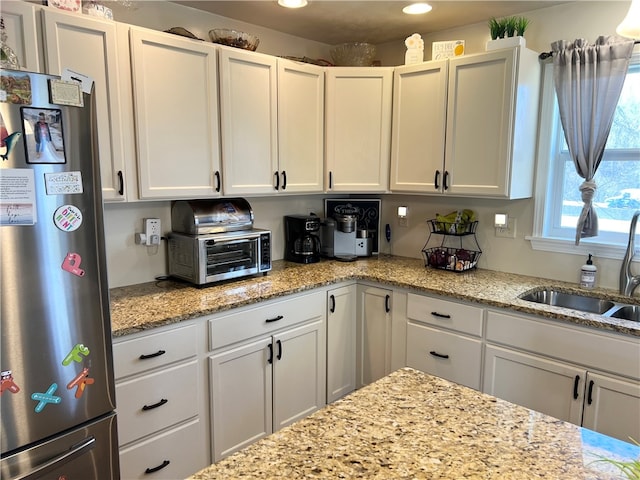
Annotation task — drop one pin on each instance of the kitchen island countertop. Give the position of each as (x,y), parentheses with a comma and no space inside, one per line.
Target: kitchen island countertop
(415,426)
(145,306)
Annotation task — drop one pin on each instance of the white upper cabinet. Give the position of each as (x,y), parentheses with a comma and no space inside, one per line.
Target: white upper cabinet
(419,121)
(21,29)
(175,92)
(300,127)
(88,45)
(248,104)
(358,129)
(472,136)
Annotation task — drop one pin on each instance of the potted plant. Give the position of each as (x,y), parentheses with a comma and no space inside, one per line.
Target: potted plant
(507,32)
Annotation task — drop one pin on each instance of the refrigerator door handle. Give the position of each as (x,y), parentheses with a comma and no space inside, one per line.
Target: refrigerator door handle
(75,451)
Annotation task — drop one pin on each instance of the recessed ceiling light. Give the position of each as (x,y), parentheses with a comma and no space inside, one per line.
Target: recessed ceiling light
(417,8)
(292,3)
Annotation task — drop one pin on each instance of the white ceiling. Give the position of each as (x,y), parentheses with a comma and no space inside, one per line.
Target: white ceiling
(374,21)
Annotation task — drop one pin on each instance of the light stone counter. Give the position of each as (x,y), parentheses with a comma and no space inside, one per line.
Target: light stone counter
(410,425)
(142,307)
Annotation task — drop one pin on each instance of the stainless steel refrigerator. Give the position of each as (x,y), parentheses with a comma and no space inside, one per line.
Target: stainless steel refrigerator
(57,395)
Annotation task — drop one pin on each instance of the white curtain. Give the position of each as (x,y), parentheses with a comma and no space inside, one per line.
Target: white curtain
(588,80)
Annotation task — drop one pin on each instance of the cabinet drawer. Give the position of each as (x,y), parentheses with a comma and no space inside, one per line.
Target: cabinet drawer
(183,448)
(573,344)
(443,313)
(138,355)
(174,390)
(427,346)
(263,320)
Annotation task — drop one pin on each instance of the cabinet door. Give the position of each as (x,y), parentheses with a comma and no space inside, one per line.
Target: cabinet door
(241,395)
(481,103)
(341,342)
(374,334)
(612,406)
(549,387)
(248,93)
(300,126)
(358,129)
(299,373)
(419,122)
(20,26)
(89,46)
(176,115)
(444,354)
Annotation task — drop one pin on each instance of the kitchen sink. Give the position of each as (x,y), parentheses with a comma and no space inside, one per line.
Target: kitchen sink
(569,300)
(628,312)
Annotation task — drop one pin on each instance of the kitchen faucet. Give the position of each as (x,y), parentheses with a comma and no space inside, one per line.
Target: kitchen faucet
(628,282)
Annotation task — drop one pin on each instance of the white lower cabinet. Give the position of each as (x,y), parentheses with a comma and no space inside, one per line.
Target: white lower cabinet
(373,349)
(444,339)
(341,342)
(161,429)
(267,369)
(573,373)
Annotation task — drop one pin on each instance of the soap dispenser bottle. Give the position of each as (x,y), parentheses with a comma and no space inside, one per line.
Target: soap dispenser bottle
(588,274)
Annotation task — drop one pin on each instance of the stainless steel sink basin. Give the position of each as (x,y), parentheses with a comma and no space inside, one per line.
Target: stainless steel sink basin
(628,312)
(574,301)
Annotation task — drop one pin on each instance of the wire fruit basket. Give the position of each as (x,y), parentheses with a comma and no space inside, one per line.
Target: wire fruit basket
(452,246)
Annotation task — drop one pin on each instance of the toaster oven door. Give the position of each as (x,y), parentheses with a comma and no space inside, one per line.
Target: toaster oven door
(231,258)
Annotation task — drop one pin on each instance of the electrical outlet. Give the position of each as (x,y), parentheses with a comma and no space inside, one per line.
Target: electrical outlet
(152,231)
(509,231)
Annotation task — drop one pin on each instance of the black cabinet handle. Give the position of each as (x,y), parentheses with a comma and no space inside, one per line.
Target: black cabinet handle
(387,307)
(332,308)
(159,467)
(217,175)
(330,180)
(152,355)
(279,356)
(274,319)
(440,315)
(436,179)
(270,359)
(445,180)
(277,174)
(120,183)
(155,405)
(439,355)
(576,381)
(284,179)
(590,394)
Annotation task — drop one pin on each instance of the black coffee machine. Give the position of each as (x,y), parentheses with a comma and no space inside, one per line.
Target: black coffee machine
(302,244)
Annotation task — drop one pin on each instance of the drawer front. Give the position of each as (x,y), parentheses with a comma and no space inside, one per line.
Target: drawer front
(444,354)
(264,320)
(174,454)
(446,314)
(156,401)
(573,344)
(138,355)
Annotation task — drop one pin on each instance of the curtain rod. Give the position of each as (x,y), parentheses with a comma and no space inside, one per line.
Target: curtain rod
(545,55)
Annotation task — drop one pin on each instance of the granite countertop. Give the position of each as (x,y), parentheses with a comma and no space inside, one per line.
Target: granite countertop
(149,305)
(411,425)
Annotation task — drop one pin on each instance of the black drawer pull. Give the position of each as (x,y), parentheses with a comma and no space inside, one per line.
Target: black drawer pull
(576,381)
(439,355)
(440,315)
(279,356)
(436,180)
(120,183)
(284,180)
(275,319)
(590,395)
(152,355)
(270,358)
(159,467)
(387,308)
(155,405)
(332,308)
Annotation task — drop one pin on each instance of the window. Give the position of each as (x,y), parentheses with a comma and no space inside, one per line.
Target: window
(558,199)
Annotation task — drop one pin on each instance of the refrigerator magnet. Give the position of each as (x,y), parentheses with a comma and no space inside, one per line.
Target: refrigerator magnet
(7,382)
(71,264)
(75,355)
(67,218)
(45,398)
(63,183)
(17,197)
(80,382)
(65,92)
(43,135)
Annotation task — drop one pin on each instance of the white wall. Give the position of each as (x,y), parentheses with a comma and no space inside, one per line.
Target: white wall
(131,264)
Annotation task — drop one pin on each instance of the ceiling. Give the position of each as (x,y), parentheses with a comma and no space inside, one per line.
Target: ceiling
(374,21)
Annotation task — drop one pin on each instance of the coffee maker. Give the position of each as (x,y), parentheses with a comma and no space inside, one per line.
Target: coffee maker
(302,244)
(339,237)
